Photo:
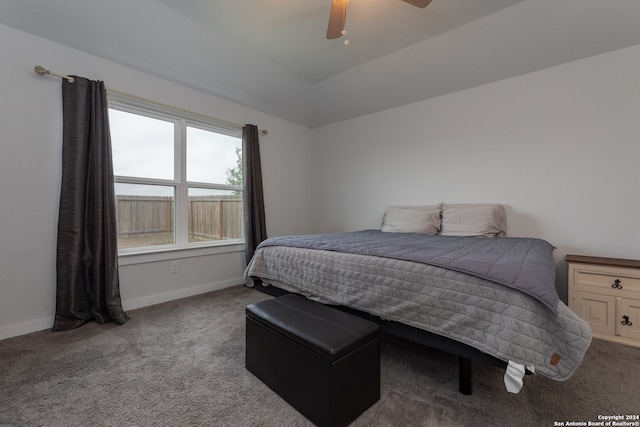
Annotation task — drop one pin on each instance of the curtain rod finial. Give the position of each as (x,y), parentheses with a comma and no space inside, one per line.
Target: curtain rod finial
(40,70)
(43,71)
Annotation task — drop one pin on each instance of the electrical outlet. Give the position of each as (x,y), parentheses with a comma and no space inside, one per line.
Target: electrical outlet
(174,266)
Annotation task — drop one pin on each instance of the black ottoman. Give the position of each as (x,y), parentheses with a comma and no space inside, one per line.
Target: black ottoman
(322,361)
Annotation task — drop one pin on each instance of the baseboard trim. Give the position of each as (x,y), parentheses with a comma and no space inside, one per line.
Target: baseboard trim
(177,294)
(26,328)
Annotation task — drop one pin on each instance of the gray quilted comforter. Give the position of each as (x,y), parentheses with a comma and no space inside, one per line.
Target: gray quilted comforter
(521,263)
(495,318)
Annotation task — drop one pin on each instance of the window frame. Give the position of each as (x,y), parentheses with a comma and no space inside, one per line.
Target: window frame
(181,248)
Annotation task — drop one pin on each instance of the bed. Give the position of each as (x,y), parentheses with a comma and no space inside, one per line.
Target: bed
(444,276)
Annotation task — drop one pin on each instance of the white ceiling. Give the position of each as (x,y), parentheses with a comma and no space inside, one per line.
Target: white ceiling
(272,55)
(292,32)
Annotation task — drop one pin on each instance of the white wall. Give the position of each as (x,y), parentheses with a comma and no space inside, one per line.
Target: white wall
(559,148)
(30,157)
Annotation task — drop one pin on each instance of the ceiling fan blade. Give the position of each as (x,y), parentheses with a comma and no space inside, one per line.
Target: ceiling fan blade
(418,3)
(337,18)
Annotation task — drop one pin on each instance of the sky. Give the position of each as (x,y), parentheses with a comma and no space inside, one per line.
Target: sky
(144,147)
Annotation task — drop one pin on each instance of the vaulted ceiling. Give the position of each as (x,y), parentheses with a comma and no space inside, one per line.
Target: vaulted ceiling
(272,55)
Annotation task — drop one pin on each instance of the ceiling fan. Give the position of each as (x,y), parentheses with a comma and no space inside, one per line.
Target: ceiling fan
(338,16)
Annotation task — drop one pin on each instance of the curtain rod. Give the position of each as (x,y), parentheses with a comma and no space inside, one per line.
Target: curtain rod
(43,71)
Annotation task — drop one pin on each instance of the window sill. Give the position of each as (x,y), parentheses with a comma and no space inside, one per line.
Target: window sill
(171,253)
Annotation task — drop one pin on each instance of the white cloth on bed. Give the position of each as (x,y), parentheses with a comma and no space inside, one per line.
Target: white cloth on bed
(513,377)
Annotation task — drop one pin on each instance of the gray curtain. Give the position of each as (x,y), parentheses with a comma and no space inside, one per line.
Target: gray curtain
(255,229)
(88,285)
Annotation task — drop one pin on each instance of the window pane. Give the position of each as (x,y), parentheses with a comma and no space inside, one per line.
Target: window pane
(145,215)
(214,215)
(213,157)
(142,146)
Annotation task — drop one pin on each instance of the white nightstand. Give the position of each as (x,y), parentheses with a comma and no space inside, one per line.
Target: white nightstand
(606,293)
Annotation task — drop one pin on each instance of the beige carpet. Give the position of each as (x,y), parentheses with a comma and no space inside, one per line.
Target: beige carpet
(182,364)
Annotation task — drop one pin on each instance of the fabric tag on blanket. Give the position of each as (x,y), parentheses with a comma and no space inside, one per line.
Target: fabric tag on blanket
(513,377)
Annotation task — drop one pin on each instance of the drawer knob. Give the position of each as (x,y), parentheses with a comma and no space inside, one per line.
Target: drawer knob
(625,321)
(617,284)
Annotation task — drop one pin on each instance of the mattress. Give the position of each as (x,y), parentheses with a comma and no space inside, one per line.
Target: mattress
(496,319)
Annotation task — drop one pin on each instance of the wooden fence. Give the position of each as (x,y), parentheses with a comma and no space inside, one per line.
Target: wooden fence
(215,217)
(149,220)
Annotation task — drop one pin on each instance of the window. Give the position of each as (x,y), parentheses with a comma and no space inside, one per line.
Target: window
(178,178)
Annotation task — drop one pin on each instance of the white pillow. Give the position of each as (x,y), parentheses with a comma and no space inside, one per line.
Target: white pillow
(412,219)
(473,219)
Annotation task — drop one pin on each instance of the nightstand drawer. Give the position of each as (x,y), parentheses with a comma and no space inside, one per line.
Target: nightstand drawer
(605,277)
